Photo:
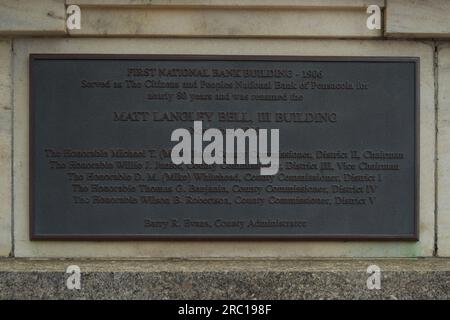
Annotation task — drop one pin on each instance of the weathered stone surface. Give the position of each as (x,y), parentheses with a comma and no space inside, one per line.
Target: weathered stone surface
(5,146)
(418,18)
(224,22)
(184,249)
(238,279)
(443,179)
(24,17)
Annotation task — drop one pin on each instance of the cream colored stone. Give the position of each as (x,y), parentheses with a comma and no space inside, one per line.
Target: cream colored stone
(443,143)
(418,18)
(5,146)
(211,249)
(223,22)
(233,3)
(32,17)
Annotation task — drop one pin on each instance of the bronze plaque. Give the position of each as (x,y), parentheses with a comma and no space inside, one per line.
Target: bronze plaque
(100,147)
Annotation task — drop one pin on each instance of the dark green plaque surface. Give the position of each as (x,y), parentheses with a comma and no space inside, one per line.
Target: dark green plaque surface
(100,166)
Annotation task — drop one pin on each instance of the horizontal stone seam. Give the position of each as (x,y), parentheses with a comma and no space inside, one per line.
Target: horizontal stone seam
(206,5)
(243,273)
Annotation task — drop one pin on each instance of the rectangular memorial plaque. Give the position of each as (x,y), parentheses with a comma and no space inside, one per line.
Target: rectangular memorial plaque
(100,147)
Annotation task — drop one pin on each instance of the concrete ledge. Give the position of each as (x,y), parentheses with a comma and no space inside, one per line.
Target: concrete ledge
(37,17)
(225,279)
(406,18)
(224,22)
(191,18)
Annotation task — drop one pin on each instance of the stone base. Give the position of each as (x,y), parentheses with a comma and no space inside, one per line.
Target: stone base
(225,279)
